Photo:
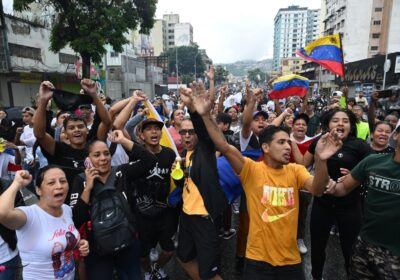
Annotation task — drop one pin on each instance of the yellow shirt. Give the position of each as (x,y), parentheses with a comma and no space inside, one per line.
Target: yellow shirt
(362,130)
(273,206)
(193,203)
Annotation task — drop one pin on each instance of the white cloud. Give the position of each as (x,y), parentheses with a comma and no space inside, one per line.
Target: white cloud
(232,30)
(229,30)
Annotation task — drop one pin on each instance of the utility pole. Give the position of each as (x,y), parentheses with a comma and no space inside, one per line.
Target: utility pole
(177,68)
(390,6)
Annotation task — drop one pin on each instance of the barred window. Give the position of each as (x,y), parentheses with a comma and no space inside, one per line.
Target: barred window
(67,58)
(25,52)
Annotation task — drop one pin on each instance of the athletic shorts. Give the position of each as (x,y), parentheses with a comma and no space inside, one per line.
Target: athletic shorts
(198,239)
(258,270)
(160,229)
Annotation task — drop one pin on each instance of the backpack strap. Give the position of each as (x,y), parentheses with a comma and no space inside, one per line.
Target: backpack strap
(113,148)
(109,185)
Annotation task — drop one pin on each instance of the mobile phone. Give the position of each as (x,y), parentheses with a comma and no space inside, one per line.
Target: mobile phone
(88,163)
(385,93)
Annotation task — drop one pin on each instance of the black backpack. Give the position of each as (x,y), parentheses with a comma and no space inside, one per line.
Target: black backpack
(112,221)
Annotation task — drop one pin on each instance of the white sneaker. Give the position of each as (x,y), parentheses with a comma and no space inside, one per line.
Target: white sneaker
(154,254)
(302,247)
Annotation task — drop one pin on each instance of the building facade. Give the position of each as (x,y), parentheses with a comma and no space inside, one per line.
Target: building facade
(170,21)
(291,65)
(157,35)
(293,28)
(183,34)
(368,27)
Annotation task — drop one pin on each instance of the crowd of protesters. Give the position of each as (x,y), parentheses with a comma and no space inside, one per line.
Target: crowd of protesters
(338,154)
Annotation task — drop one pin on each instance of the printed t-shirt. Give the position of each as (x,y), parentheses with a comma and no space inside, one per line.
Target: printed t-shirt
(46,244)
(381,218)
(193,203)
(273,206)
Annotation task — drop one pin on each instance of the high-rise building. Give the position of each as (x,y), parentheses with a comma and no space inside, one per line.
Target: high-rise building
(157,35)
(364,26)
(183,34)
(170,21)
(294,26)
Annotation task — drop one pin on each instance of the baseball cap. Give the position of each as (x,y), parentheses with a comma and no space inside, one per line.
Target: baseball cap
(149,121)
(260,113)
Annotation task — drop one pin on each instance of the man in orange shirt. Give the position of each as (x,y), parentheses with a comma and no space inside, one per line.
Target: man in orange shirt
(272,190)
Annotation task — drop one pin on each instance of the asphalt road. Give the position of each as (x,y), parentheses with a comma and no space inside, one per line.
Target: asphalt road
(333,270)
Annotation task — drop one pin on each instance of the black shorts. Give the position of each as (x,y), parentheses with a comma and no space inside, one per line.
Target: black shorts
(258,270)
(160,229)
(198,239)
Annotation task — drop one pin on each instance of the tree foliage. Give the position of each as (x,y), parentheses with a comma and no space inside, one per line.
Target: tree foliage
(186,60)
(87,25)
(220,74)
(256,75)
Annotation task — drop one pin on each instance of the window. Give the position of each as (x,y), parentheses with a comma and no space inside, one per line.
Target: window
(376,35)
(374,48)
(25,52)
(377,22)
(67,58)
(378,9)
(113,54)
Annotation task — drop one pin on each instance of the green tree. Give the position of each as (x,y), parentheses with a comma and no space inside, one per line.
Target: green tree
(256,75)
(220,74)
(87,25)
(186,60)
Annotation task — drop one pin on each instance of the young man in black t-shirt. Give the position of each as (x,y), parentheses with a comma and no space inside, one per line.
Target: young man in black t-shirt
(157,221)
(70,157)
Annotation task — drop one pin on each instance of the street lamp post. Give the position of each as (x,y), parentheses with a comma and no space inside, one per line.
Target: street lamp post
(177,68)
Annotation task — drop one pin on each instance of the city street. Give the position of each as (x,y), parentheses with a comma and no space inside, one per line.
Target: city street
(334,266)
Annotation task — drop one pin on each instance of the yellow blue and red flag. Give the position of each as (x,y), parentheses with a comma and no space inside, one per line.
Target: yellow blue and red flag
(166,139)
(289,85)
(326,51)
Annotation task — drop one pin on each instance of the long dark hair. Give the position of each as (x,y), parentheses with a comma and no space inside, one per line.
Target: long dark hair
(327,117)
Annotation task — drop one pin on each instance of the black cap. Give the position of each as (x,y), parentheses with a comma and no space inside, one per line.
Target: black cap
(149,121)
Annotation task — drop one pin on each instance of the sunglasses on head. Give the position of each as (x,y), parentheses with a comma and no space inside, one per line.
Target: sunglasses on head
(184,131)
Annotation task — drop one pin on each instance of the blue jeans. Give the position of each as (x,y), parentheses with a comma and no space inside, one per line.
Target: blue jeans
(9,273)
(125,262)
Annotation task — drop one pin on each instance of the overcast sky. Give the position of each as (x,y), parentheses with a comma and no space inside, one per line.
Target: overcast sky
(230,30)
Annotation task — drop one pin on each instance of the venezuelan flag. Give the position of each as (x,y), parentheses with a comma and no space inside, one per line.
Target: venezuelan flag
(327,52)
(289,85)
(166,139)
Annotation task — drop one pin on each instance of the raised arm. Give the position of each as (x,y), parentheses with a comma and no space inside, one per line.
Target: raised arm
(372,111)
(39,119)
(327,146)
(90,88)
(222,92)
(124,114)
(11,217)
(202,103)
(279,119)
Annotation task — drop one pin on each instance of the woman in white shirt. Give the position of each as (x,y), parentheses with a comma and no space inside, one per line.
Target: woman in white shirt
(45,231)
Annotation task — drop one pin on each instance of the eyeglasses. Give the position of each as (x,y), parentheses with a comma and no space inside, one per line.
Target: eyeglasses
(185,131)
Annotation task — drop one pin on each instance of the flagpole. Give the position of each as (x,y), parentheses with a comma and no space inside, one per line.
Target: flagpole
(344,71)
(341,54)
(319,80)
